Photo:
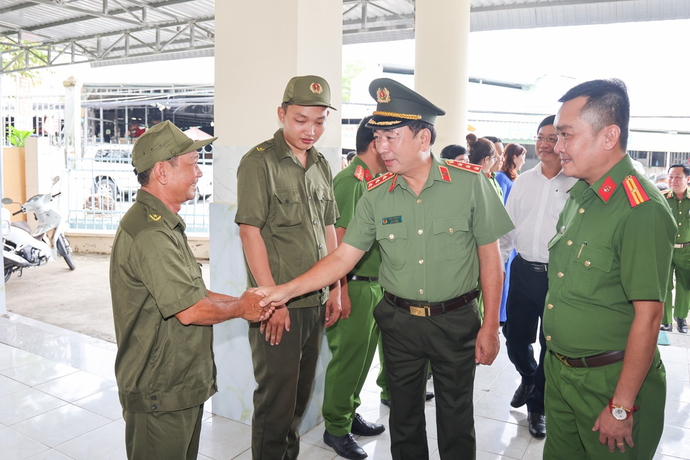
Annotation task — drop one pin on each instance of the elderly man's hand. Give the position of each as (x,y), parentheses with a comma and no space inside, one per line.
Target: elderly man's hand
(251,308)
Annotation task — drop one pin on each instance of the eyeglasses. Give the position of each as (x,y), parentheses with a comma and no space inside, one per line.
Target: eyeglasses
(550,140)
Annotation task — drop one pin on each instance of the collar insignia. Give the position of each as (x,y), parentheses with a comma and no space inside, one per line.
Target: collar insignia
(383,96)
(393,184)
(154,217)
(444,173)
(367,175)
(359,172)
(607,189)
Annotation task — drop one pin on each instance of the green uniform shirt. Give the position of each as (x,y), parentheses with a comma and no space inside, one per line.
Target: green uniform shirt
(681,212)
(349,185)
(606,253)
(496,185)
(161,365)
(429,242)
(291,205)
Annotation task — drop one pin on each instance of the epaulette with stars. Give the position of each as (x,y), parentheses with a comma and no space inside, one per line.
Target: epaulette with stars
(634,190)
(372,184)
(464,166)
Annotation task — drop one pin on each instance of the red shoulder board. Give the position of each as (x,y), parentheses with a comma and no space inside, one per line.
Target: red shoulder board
(607,189)
(372,184)
(445,175)
(359,172)
(634,190)
(465,166)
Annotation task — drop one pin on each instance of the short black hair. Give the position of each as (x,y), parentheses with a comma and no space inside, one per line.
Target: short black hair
(607,104)
(365,135)
(418,125)
(493,139)
(546,122)
(453,151)
(686,169)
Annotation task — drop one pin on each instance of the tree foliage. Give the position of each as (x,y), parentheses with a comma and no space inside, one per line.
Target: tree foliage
(22,60)
(350,71)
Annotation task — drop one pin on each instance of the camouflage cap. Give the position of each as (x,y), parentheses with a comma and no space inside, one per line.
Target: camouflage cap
(308,90)
(162,142)
(397,105)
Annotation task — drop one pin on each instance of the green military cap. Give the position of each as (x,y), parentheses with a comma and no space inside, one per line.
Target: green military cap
(308,90)
(162,142)
(397,105)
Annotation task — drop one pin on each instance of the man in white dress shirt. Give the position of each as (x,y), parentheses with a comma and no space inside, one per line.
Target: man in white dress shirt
(536,200)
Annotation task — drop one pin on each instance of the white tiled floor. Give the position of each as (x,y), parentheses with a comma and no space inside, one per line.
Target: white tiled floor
(58,400)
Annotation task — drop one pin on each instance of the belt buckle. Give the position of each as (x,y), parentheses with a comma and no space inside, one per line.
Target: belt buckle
(419,310)
(562,359)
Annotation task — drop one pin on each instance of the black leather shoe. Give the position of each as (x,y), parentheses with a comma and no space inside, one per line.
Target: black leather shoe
(361,427)
(682,325)
(345,446)
(666,327)
(429,396)
(521,394)
(537,425)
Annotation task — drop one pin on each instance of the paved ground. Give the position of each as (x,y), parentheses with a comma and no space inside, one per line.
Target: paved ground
(80,300)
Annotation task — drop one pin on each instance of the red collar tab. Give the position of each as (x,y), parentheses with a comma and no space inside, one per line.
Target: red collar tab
(445,175)
(634,190)
(367,175)
(607,189)
(395,179)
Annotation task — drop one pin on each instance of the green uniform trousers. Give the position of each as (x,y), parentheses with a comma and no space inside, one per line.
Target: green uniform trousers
(574,398)
(285,376)
(681,265)
(353,343)
(409,344)
(163,435)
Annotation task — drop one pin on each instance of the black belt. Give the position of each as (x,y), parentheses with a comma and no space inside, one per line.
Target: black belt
(681,245)
(602,359)
(362,278)
(534,266)
(432,308)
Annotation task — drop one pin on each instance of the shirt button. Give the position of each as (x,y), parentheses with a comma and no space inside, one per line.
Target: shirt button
(680,223)
(319,246)
(391,236)
(548,337)
(314,222)
(570,242)
(309,198)
(421,291)
(420,231)
(418,201)
(154,407)
(582,210)
(550,306)
(587,263)
(451,230)
(560,274)
(154,397)
(421,261)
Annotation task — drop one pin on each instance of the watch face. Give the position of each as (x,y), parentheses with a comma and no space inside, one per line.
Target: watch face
(619,414)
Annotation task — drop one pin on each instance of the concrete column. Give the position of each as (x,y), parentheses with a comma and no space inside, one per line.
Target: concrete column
(73,129)
(442,32)
(255,56)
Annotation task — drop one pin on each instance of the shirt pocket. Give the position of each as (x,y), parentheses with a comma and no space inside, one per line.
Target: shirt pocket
(323,199)
(393,242)
(449,235)
(591,268)
(287,209)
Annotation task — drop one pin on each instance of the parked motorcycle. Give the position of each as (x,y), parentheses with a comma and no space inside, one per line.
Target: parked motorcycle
(23,248)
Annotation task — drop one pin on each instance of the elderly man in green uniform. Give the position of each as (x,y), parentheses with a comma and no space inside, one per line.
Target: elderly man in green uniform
(608,268)
(434,248)
(678,197)
(162,310)
(286,213)
(353,339)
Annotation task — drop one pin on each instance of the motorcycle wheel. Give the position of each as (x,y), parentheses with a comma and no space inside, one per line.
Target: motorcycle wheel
(8,273)
(65,251)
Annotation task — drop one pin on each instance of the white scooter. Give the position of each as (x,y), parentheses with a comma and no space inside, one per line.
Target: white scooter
(23,248)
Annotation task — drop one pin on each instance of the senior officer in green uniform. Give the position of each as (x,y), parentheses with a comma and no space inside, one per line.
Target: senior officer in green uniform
(353,339)
(286,213)
(434,248)
(162,310)
(678,197)
(608,268)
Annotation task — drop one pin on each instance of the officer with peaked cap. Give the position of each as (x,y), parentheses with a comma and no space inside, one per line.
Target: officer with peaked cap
(162,310)
(286,213)
(434,248)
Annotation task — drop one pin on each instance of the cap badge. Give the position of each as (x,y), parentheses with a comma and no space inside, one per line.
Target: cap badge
(383,96)
(316,88)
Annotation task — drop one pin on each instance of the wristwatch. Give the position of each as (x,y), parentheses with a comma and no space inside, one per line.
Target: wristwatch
(620,412)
